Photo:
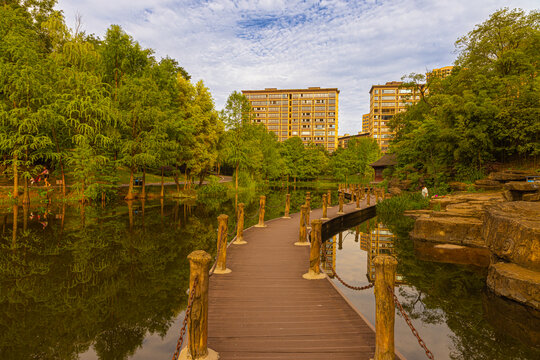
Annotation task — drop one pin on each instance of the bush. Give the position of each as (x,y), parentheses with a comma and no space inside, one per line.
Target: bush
(391,209)
(214,189)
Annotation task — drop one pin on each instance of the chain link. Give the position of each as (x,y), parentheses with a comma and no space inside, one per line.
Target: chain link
(429,354)
(359,288)
(186,318)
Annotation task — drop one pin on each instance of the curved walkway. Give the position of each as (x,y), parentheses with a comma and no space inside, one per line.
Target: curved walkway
(264,309)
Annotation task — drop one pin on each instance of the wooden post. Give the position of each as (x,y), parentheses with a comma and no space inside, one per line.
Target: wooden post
(341,195)
(329,199)
(240,226)
(358,199)
(302,241)
(221,266)
(324,208)
(368,195)
(262,203)
(314,271)
(308,203)
(385,275)
(287,206)
(199,263)
(340,241)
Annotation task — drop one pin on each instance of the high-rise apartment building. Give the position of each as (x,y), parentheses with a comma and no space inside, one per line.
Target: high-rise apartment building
(386,101)
(365,122)
(311,114)
(440,72)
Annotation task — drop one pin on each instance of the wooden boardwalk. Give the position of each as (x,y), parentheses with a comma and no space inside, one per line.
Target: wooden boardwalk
(264,309)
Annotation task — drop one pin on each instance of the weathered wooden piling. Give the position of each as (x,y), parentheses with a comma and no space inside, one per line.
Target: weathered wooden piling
(302,236)
(324,208)
(314,271)
(341,196)
(287,206)
(329,199)
(262,204)
(221,265)
(240,226)
(199,263)
(357,192)
(385,275)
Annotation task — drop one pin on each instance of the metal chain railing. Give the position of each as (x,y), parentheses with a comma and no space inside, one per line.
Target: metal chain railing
(184,324)
(429,354)
(352,287)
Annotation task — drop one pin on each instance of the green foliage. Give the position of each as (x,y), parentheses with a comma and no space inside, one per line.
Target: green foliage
(214,189)
(391,210)
(486,110)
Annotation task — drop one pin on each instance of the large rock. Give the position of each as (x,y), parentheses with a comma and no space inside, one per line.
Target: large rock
(515,282)
(511,175)
(522,186)
(458,186)
(512,232)
(531,197)
(451,229)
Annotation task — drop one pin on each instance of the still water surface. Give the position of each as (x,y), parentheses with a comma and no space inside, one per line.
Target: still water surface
(110,283)
(449,305)
(106,283)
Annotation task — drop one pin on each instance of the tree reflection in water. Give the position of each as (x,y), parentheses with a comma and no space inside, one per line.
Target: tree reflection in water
(104,277)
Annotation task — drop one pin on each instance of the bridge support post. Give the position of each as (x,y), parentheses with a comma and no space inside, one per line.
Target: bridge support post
(221,265)
(314,272)
(240,226)
(329,199)
(262,203)
(368,195)
(199,263)
(341,196)
(357,193)
(302,237)
(324,208)
(308,203)
(287,207)
(385,275)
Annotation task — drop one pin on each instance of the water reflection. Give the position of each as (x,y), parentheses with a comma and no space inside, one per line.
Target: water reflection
(94,282)
(448,303)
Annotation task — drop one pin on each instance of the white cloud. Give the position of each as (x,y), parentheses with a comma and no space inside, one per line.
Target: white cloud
(241,44)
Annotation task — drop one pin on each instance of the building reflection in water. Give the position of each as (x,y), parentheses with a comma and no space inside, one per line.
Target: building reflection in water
(328,251)
(378,240)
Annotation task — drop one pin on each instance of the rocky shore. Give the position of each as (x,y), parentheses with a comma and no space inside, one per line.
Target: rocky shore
(501,228)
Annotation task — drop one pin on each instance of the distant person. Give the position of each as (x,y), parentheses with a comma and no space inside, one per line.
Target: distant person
(425,192)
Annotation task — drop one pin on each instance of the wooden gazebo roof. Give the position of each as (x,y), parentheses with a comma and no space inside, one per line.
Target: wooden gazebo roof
(385,160)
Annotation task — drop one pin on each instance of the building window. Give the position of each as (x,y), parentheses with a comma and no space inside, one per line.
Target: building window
(389,91)
(388,97)
(405,91)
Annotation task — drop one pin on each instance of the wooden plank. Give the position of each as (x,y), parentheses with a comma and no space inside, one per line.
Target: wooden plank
(264,309)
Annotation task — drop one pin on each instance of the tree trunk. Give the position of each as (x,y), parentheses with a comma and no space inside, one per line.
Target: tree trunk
(162,194)
(202,176)
(185,179)
(15,179)
(176,180)
(143,191)
(236,177)
(63,178)
(26,196)
(129,195)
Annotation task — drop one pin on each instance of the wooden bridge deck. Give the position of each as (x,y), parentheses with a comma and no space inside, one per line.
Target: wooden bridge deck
(264,309)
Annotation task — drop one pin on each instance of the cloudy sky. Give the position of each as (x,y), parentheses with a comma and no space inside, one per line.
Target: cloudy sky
(240,44)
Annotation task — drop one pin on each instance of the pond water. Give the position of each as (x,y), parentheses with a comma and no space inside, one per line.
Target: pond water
(110,283)
(106,283)
(449,304)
